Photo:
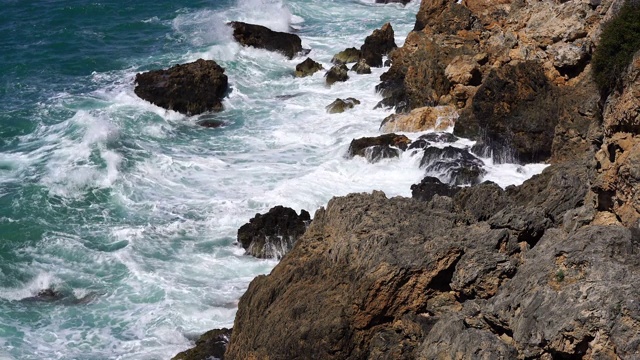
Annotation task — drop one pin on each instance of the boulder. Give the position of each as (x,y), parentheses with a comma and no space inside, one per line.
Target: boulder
(430,187)
(273,234)
(438,118)
(339,105)
(337,73)
(379,43)
(307,68)
(346,56)
(457,166)
(264,38)
(190,89)
(361,67)
(213,343)
(380,147)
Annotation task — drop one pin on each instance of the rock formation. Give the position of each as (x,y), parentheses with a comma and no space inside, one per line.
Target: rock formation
(377,148)
(337,73)
(261,37)
(307,68)
(379,43)
(191,88)
(339,105)
(273,234)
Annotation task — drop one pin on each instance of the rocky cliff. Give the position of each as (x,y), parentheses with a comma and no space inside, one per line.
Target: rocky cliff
(545,270)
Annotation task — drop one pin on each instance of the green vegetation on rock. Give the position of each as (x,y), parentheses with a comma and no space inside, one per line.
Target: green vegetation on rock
(619,41)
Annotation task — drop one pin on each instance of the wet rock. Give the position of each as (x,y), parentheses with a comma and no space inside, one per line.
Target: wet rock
(213,343)
(191,88)
(211,123)
(46,295)
(403,2)
(337,73)
(379,43)
(273,234)
(437,118)
(261,37)
(339,105)
(515,110)
(307,68)
(419,144)
(361,67)
(441,137)
(346,56)
(431,186)
(380,147)
(457,165)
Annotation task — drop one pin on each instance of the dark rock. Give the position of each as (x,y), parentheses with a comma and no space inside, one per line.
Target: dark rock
(346,56)
(361,67)
(264,38)
(213,343)
(443,16)
(403,2)
(515,110)
(340,105)
(189,88)
(376,148)
(419,144)
(431,186)
(457,165)
(441,137)
(46,295)
(481,201)
(211,123)
(272,234)
(379,43)
(307,68)
(337,73)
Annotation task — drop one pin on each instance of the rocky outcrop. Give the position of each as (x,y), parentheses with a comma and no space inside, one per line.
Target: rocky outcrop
(213,343)
(427,280)
(454,165)
(339,105)
(191,88)
(361,67)
(273,234)
(337,73)
(346,56)
(378,148)
(307,67)
(261,37)
(431,186)
(378,44)
(437,118)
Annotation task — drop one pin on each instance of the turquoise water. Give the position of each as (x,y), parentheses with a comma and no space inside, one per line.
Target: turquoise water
(131,211)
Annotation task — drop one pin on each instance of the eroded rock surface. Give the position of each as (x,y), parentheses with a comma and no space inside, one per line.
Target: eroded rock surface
(307,68)
(380,147)
(262,37)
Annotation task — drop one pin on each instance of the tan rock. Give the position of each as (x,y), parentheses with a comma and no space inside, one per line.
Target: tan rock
(605,218)
(463,70)
(437,118)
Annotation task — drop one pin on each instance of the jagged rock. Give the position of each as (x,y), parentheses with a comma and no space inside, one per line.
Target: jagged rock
(213,343)
(46,295)
(191,88)
(516,110)
(380,147)
(337,73)
(463,70)
(437,118)
(431,186)
(441,137)
(264,38)
(307,68)
(346,56)
(482,201)
(272,234)
(339,105)
(361,67)
(443,16)
(457,165)
(379,43)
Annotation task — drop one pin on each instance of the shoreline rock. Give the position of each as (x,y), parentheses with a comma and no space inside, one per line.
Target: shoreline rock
(262,37)
(190,89)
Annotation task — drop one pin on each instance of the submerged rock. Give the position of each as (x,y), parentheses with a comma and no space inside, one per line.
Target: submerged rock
(191,88)
(458,165)
(211,123)
(379,43)
(346,56)
(340,105)
(213,343)
(403,2)
(273,234)
(380,147)
(307,68)
(264,38)
(46,295)
(337,73)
